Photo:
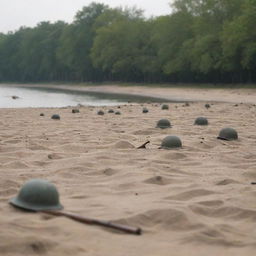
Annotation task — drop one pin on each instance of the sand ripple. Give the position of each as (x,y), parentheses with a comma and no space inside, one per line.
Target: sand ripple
(197,200)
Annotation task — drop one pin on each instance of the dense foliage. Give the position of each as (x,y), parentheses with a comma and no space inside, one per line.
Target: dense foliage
(200,41)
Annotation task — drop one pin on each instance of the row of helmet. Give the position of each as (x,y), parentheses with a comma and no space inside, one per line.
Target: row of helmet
(175,142)
(165,123)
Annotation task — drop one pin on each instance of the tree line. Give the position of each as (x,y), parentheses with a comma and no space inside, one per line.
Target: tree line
(211,41)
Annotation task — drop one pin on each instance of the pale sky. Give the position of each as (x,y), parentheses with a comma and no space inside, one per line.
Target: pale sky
(17,13)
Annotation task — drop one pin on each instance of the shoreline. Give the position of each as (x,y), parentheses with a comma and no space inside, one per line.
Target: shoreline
(174,93)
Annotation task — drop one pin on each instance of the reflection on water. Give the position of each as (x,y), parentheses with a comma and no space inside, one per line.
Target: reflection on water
(49,97)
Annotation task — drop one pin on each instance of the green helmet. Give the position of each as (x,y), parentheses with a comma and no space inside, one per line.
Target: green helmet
(207,105)
(111,111)
(145,110)
(228,134)
(75,110)
(165,106)
(117,113)
(37,195)
(101,113)
(56,117)
(171,142)
(201,121)
(163,123)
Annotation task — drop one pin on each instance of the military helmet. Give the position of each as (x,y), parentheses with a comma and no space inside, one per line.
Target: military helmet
(117,113)
(56,117)
(101,113)
(111,111)
(207,105)
(75,110)
(163,123)
(171,142)
(201,121)
(228,134)
(41,114)
(144,110)
(165,106)
(37,195)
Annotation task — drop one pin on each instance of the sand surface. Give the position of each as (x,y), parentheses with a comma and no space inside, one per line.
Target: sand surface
(197,200)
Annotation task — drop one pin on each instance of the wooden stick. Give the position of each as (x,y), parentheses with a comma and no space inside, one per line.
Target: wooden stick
(143,145)
(124,228)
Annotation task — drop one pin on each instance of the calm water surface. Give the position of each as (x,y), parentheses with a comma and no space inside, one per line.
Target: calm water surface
(49,97)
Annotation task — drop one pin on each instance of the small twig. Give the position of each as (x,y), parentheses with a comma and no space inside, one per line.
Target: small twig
(143,145)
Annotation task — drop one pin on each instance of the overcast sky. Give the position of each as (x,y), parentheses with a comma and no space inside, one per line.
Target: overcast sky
(17,13)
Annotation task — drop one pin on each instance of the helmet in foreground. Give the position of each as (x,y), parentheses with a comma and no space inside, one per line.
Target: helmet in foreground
(37,195)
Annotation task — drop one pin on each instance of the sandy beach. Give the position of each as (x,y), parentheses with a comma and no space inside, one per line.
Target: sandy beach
(197,200)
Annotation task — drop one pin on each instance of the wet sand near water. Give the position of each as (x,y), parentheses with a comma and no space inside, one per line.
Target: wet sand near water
(197,200)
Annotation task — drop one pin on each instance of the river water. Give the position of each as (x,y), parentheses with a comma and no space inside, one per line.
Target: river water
(49,97)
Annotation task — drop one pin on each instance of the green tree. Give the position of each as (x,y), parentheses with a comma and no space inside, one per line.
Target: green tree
(122,46)
(76,42)
(10,53)
(37,52)
(239,43)
(169,35)
(204,49)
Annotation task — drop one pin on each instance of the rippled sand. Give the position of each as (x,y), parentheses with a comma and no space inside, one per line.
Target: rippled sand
(197,200)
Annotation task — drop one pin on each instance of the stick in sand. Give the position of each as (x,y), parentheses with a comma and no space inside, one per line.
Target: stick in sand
(124,228)
(41,196)
(143,145)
